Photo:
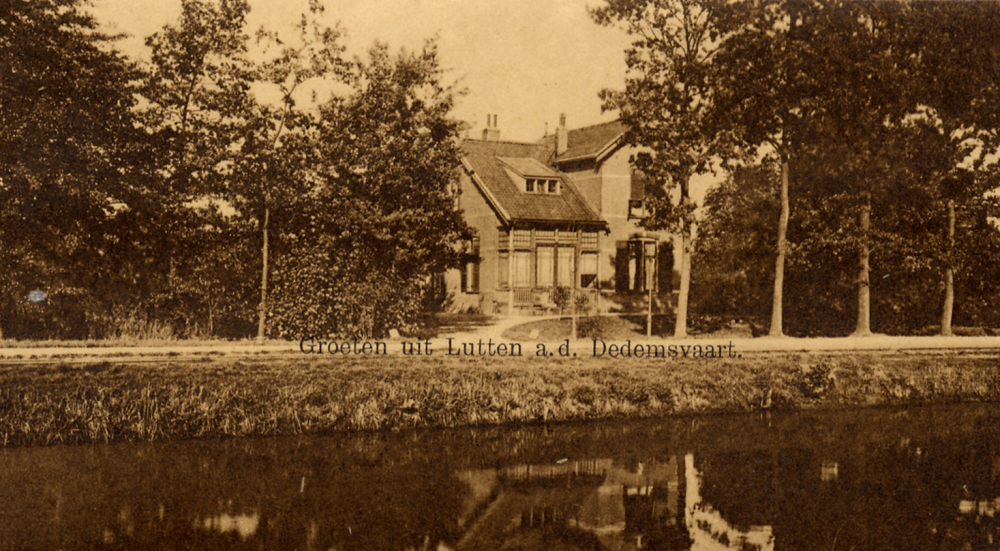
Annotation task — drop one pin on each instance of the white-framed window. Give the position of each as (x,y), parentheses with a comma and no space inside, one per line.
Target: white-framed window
(565,266)
(522,269)
(546,265)
(541,185)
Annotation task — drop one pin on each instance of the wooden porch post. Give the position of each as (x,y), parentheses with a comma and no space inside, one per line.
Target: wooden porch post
(599,254)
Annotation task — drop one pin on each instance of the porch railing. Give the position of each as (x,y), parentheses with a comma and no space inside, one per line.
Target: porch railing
(522,297)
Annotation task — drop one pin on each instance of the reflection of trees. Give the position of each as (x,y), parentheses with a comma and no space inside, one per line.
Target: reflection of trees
(654,515)
(388,507)
(740,485)
(902,495)
(882,479)
(299,497)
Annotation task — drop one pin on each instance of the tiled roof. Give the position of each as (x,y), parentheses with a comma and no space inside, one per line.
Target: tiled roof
(528,167)
(483,157)
(589,141)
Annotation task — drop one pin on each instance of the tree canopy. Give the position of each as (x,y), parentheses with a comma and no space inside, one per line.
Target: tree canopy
(159,196)
(881,116)
(70,157)
(363,254)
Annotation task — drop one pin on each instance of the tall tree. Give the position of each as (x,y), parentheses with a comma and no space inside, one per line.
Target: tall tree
(380,219)
(198,94)
(769,80)
(960,105)
(865,98)
(279,141)
(225,140)
(667,105)
(69,152)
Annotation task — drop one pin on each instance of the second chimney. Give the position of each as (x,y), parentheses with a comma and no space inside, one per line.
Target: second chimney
(562,137)
(491,132)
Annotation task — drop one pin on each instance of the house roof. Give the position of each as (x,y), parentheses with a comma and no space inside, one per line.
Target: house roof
(483,160)
(527,167)
(592,141)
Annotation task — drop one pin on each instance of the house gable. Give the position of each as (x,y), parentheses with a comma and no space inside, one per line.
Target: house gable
(495,167)
(591,143)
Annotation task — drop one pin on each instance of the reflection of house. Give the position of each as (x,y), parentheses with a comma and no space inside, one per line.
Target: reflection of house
(588,504)
(562,212)
(709,530)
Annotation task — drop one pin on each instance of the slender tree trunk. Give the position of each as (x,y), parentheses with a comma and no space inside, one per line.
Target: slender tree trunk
(687,240)
(211,319)
(779,262)
(949,274)
(863,328)
(262,319)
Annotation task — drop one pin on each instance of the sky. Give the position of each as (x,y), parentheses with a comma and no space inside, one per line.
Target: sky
(527,61)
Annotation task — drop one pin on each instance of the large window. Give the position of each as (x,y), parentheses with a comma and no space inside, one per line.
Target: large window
(566,266)
(637,197)
(589,257)
(546,258)
(546,265)
(522,268)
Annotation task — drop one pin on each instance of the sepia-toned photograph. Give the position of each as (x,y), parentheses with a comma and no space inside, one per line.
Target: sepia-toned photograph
(500,275)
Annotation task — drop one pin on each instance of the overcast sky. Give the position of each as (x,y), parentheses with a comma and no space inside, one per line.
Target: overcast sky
(526,61)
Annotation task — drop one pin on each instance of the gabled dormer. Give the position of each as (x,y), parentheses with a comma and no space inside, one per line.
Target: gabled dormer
(531,176)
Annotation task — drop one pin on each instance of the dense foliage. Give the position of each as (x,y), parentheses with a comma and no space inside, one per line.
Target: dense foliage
(873,125)
(363,252)
(70,159)
(204,193)
(155,199)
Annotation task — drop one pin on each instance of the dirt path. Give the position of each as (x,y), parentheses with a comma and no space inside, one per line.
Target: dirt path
(980,345)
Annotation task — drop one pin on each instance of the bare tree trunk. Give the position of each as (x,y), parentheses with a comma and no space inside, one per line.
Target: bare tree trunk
(949,274)
(687,240)
(779,262)
(262,319)
(863,327)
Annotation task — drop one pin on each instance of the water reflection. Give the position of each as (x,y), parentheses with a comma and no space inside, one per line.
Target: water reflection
(922,478)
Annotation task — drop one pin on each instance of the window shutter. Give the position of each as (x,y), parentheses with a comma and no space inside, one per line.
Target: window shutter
(474,275)
(621,266)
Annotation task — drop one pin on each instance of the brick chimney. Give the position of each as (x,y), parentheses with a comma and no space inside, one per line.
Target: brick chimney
(491,132)
(562,138)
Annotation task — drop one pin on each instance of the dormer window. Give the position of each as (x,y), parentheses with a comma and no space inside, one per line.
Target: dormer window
(531,176)
(538,185)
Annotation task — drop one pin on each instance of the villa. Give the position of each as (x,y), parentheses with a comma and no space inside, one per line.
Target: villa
(560,213)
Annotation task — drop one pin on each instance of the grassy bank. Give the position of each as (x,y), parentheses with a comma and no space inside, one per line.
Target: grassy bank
(110,401)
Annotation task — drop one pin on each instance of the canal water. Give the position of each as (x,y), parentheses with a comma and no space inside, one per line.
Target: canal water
(869,479)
